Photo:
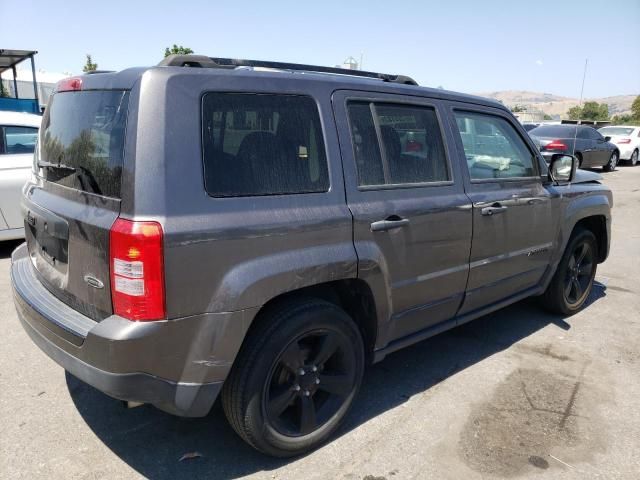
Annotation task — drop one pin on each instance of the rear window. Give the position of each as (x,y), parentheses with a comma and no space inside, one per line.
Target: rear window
(554,131)
(610,131)
(82,140)
(262,144)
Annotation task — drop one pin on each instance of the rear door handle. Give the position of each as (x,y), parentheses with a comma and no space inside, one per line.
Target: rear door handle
(389,224)
(493,210)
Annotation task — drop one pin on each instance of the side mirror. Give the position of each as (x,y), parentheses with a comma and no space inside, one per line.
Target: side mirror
(562,168)
(607,139)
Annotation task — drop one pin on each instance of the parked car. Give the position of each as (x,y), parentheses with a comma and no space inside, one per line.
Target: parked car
(586,143)
(18,134)
(262,234)
(627,139)
(530,126)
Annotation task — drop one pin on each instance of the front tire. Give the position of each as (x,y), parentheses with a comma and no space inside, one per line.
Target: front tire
(612,163)
(295,378)
(572,283)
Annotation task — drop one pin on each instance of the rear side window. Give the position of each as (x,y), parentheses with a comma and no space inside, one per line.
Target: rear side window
(19,139)
(493,148)
(262,144)
(82,140)
(396,144)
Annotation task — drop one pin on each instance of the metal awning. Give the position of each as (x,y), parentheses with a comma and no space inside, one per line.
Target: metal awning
(10,58)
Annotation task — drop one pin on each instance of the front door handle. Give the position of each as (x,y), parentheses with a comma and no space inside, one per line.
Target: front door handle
(389,224)
(493,209)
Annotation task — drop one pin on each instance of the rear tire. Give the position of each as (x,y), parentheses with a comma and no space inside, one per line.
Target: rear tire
(295,378)
(633,161)
(612,163)
(579,157)
(572,283)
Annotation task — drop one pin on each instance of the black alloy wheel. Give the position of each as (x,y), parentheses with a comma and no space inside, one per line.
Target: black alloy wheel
(309,382)
(579,274)
(573,280)
(295,377)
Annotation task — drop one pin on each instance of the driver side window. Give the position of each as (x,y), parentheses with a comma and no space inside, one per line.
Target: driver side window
(493,147)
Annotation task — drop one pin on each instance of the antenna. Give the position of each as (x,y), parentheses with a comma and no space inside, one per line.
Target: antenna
(584,76)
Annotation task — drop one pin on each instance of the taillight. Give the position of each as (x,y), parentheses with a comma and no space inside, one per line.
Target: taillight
(137,270)
(413,146)
(69,84)
(556,145)
(624,140)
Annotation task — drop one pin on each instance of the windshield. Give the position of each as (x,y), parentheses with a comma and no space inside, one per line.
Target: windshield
(82,140)
(610,131)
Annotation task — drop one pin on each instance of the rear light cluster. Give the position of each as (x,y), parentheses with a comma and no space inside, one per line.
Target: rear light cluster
(556,145)
(137,270)
(70,84)
(624,140)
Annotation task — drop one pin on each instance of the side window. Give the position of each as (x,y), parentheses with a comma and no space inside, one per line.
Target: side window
(596,135)
(262,144)
(396,144)
(493,147)
(19,139)
(584,134)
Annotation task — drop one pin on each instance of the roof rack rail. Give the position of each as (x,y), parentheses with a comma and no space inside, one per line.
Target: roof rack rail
(216,62)
(93,72)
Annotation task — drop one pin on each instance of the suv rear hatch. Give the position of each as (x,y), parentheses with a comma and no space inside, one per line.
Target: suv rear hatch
(71,207)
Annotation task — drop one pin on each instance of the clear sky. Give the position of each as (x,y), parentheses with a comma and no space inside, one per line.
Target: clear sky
(463,45)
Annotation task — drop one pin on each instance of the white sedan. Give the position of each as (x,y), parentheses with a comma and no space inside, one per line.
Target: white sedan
(18,134)
(627,139)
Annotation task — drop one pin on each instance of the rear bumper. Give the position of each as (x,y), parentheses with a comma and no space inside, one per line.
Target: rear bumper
(626,150)
(176,365)
(11,234)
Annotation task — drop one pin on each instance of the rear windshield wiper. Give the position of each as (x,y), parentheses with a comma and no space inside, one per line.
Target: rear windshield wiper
(82,173)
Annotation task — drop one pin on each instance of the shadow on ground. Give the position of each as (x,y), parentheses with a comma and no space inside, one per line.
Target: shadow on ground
(152,442)
(7,247)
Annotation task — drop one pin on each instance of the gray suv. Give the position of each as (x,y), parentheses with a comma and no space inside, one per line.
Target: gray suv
(261,231)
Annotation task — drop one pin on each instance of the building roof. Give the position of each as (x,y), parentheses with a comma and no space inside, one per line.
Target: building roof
(20,119)
(10,58)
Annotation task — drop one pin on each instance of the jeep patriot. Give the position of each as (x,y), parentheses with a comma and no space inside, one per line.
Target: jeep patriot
(262,231)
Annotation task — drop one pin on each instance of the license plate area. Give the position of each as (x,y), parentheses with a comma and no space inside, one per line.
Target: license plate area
(47,237)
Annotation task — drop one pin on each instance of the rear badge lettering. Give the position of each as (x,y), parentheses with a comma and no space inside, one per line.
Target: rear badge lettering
(93,281)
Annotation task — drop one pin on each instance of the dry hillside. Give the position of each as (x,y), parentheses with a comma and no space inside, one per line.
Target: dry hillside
(556,105)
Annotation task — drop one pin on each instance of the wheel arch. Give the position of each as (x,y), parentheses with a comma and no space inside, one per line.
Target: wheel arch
(597,224)
(353,295)
(592,212)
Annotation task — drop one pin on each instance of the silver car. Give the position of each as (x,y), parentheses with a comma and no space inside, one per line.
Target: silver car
(18,134)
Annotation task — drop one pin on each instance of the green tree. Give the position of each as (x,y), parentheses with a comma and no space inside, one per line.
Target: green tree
(575,113)
(622,119)
(518,108)
(635,108)
(89,66)
(547,117)
(589,111)
(177,50)
(3,91)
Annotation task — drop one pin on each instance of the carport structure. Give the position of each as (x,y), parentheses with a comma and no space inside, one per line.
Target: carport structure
(8,61)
